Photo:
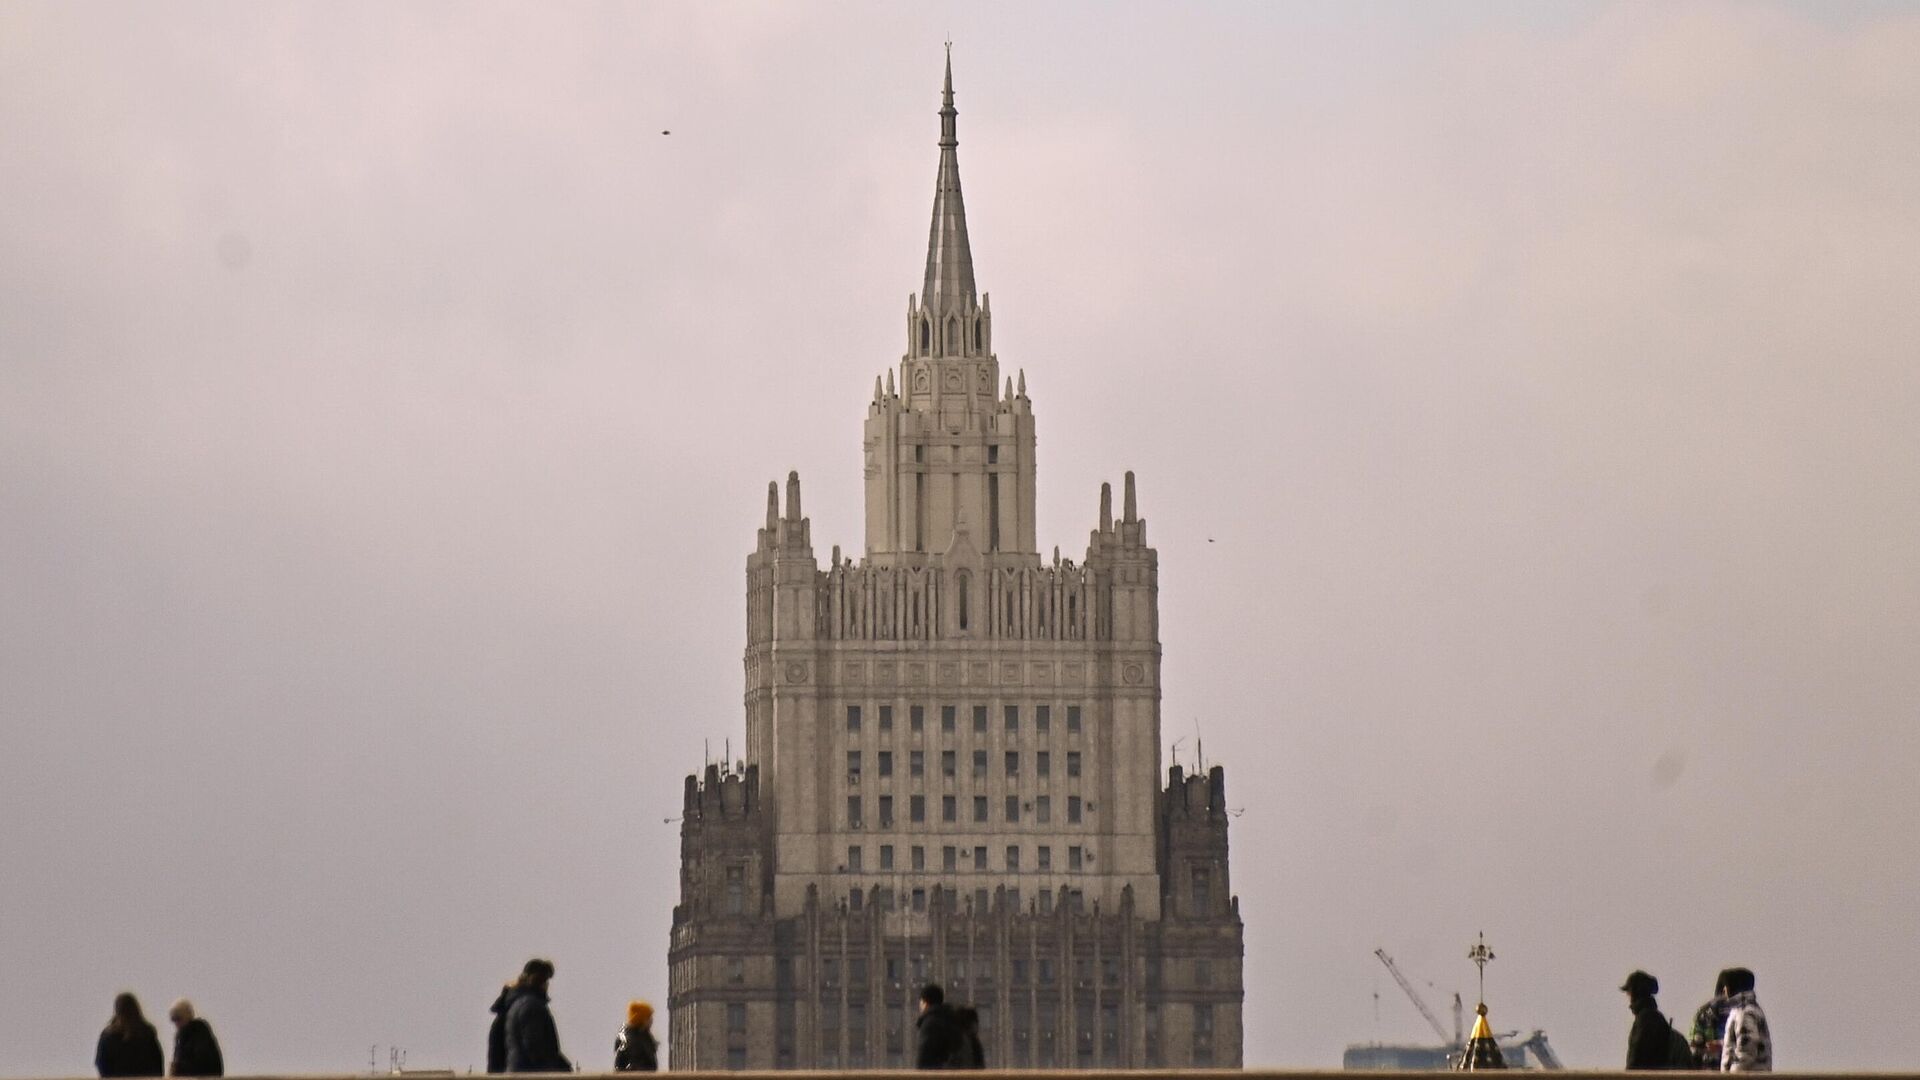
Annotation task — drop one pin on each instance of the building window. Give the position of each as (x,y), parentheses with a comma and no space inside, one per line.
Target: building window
(980,900)
(1013,718)
(736,1018)
(853,718)
(886,718)
(1073,809)
(853,766)
(1073,858)
(1202,891)
(979,719)
(917,718)
(1013,809)
(947,713)
(853,812)
(919,857)
(947,766)
(1043,858)
(917,808)
(1013,857)
(1043,809)
(1073,763)
(886,856)
(736,970)
(949,808)
(855,898)
(886,811)
(949,859)
(980,808)
(1046,901)
(886,763)
(1013,899)
(979,764)
(917,764)
(919,897)
(736,1057)
(1043,763)
(1073,719)
(853,858)
(1203,972)
(963,588)
(980,862)
(1013,763)
(1043,718)
(736,890)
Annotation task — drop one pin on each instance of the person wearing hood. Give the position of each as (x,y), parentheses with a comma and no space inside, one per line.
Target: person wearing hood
(497,1032)
(635,1049)
(973,1053)
(939,1036)
(1709,1023)
(195,1051)
(1650,1040)
(533,1040)
(1747,1045)
(129,1046)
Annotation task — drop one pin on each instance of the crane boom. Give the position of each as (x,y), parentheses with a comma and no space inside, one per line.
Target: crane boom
(1432,1020)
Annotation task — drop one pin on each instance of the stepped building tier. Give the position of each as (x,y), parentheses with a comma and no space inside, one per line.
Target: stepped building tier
(952,767)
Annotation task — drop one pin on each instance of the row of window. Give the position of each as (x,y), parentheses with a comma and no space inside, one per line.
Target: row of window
(950,718)
(1040,809)
(916,899)
(950,764)
(951,858)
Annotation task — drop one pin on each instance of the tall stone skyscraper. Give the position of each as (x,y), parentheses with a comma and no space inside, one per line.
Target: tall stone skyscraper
(952,760)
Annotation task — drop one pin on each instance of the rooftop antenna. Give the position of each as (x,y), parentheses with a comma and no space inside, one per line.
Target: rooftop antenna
(1481,955)
(1176,750)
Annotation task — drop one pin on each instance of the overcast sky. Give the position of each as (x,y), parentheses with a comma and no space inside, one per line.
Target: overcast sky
(1523,400)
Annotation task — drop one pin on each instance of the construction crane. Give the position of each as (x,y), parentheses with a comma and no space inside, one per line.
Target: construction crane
(1413,996)
(1536,1044)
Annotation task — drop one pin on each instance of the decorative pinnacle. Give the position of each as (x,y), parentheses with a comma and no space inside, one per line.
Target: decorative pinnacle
(949,278)
(1480,955)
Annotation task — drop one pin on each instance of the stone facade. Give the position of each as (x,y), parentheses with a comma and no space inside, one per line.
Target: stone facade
(952,760)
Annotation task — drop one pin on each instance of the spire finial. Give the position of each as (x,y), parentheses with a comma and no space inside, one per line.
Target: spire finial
(1129,513)
(793,496)
(1106,507)
(773,504)
(949,280)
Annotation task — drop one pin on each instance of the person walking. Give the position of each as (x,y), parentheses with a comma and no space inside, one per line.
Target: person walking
(1709,1023)
(195,1051)
(533,1041)
(129,1046)
(635,1049)
(1652,1042)
(973,1053)
(939,1036)
(497,1031)
(1747,1044)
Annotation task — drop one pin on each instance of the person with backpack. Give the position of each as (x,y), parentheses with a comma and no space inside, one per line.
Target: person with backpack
(939,1042)
(1652,1043)
(634,1048)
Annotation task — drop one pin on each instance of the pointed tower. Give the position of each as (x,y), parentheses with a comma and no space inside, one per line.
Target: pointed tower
(949,448)
(952,767)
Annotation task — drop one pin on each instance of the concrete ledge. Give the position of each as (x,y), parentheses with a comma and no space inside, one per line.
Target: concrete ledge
(1045,1074)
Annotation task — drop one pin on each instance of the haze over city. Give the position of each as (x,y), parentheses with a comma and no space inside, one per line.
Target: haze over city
(1520,397)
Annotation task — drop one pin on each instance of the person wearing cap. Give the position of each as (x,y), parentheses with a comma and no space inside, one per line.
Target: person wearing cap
(635,1049)
(533,1040)
(1647,1042)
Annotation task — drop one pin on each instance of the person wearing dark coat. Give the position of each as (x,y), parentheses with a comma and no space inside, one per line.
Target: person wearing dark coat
(939,1036)
(497,1033)
(1649,1043)
(533,1041)
(195,1051)
(129,1046)
(635,1049)
(973,1053)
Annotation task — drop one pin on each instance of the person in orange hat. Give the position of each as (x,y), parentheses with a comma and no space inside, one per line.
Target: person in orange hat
(635,1049)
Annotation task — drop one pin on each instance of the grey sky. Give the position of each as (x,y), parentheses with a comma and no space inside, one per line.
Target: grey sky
(386,407)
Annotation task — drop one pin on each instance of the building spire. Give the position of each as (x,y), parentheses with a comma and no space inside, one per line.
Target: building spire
(949,284)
